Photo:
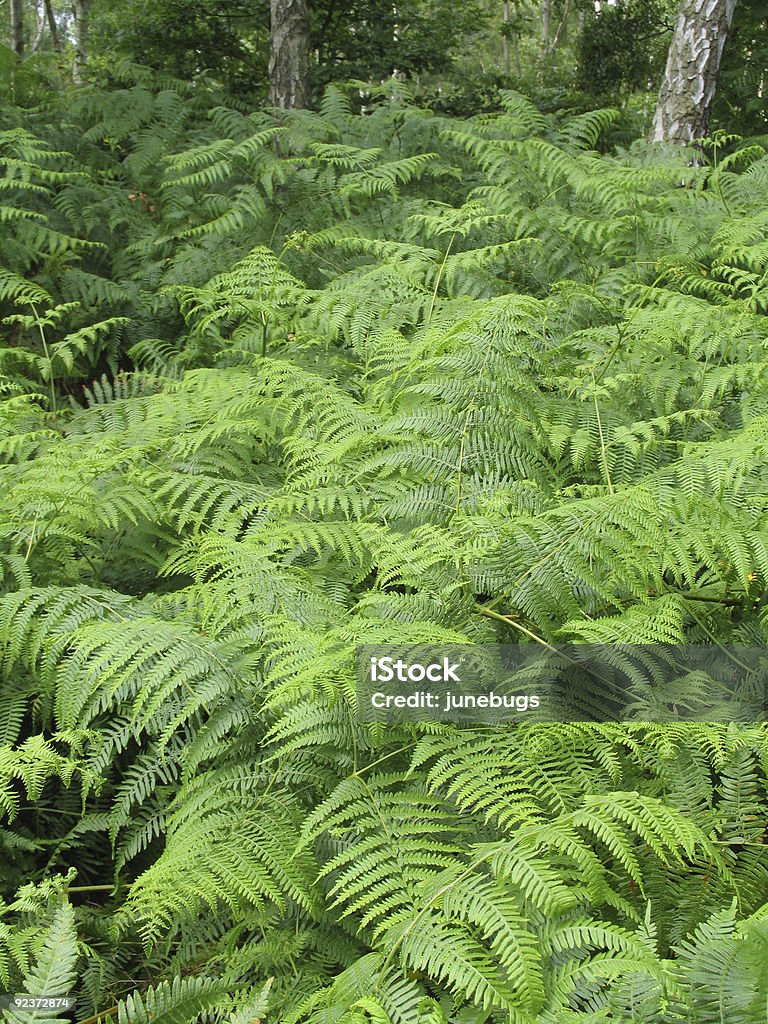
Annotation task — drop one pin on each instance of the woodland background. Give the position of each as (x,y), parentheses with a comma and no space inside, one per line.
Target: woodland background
(469,347)
(578,54)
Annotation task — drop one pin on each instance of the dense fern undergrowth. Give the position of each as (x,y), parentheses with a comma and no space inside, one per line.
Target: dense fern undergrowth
(275,386)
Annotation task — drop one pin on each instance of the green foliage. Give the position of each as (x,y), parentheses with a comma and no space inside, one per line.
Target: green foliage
(278,385)
(370,40)
(185,40)
(373,39)
(623,48)
(53,973)
(740,102)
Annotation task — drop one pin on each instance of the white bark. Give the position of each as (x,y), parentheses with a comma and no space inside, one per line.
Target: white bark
(693,63)
(39,26)
(80,9)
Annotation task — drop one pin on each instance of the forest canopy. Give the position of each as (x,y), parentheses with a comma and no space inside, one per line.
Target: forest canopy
(455,353)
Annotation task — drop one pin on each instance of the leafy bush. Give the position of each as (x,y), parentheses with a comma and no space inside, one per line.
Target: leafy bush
(623,48)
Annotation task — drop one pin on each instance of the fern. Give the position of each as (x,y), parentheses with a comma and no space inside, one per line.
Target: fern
(53,973)
(276,385)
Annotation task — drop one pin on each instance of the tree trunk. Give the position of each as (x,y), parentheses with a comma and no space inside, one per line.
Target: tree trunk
(80,10)
(52,25)
(39,28)
(17,27)
(505,38)
(562,28)
(690,79)
(289,54)
(546,17)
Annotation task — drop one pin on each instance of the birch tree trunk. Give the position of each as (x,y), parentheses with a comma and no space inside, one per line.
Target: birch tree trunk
(80,10)
(289,54)
(39,29)
(17,27)
(693,62)
(505,38)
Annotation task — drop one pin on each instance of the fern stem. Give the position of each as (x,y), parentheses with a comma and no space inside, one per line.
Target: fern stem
(385,757)
(690,595)
(509,621)
(439,278)
(33,540)
(483,610)
(465,429)
(51,382)
(603,453)
(718,644)
(621,328)
(737,842)
(102,1013)
(90,888)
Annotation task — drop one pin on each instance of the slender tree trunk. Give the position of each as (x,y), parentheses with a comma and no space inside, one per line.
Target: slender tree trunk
(39,28)
(562,28)
(80,10)
(17,27)
(546,17)
(690,79)
(52,25)
(505,38)
(289,54)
